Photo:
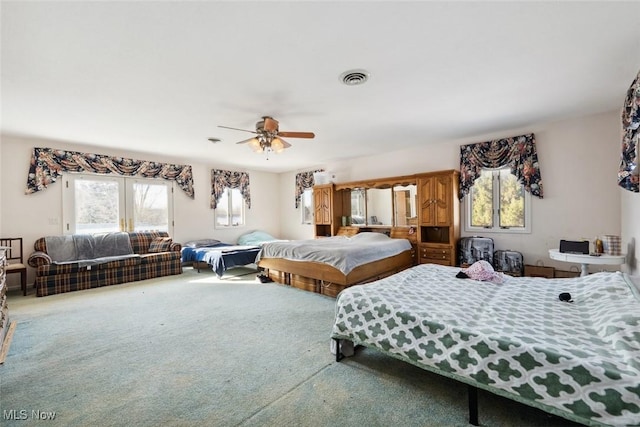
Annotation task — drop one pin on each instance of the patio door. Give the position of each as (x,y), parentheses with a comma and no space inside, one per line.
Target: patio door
(98,204)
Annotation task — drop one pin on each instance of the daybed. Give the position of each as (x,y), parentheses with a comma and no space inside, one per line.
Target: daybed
(82,261)
(579,360)
(330,264)
(219,256)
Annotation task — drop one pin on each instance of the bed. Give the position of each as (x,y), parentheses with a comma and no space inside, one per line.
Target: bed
(330,264)
(579,360)
(219,256)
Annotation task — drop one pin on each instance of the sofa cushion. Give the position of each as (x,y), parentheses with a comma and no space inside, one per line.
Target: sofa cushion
(117,261)
(55,269)
(104,263)
(160,257)
(140,241)
(160,244)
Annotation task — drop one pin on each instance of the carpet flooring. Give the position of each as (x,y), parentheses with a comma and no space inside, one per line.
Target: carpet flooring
(196,350)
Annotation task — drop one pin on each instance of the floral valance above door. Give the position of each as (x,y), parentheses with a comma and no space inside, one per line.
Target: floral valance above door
(47,165)
(221,179)
(630,139)
(518,152)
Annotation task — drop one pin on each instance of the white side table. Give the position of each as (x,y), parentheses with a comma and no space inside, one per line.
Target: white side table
(585,260)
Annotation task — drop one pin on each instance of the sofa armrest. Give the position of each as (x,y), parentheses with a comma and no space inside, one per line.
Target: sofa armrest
(39,258)
(175,247)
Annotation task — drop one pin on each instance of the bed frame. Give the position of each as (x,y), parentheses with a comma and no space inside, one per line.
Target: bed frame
(574,407)
(328,280)
(472,391)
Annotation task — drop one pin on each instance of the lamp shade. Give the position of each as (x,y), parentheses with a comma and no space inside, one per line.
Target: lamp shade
(277,145)
(255,145)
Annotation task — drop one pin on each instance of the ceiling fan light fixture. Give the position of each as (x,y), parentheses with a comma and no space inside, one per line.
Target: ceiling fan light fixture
(354,77)
(277,145)
(255,145)
(267,138)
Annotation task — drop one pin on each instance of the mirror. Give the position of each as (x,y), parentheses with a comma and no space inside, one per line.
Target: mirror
(379,204)
(405,205)
(358,211)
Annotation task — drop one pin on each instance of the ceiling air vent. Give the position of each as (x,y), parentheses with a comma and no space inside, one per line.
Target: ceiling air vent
(354,77)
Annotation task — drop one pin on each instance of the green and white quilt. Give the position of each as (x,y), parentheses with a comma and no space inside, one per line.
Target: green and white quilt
(579,360)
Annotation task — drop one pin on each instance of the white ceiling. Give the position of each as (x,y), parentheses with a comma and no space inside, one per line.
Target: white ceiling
(159,77)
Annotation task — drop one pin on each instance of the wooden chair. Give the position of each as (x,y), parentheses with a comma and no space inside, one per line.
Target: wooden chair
(15,262)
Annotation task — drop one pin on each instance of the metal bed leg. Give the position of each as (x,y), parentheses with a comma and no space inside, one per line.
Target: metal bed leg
(473,405)
(339,355)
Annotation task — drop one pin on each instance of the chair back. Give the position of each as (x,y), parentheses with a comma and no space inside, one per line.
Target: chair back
(14,251)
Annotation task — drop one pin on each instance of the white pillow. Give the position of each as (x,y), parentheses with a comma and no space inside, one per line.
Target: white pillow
(202,243)
(255,238)
(370,236)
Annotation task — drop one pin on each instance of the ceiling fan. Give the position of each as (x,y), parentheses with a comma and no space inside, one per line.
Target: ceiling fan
(269,136)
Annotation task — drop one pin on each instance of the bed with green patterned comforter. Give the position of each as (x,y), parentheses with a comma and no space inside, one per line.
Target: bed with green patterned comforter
(578,360)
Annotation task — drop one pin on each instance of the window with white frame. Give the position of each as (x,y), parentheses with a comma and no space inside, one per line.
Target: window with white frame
(497,202)
(230,210)
(99,204)
(306,206)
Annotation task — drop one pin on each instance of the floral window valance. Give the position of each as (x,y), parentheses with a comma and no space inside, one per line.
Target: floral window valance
(47,165)
(304,180)
(630,138)
(518,152)
(221,179)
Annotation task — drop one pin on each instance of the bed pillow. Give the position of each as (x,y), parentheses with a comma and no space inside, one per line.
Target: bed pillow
(370,236)
(202,243)
(255,238)
(160,244)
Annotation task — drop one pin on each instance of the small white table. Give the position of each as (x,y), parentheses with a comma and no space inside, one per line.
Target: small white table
(585,260)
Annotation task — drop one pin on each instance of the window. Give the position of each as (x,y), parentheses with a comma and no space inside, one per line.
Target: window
(230,209)
(306,204)
(497,202)
(99,204)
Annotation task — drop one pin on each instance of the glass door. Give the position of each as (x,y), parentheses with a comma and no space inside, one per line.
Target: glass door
(100,204)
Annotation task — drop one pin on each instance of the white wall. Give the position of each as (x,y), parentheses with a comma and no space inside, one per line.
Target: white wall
(578,159)
(31,216)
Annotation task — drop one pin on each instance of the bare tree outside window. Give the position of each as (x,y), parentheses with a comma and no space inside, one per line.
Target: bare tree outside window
(96,206)
(150,207)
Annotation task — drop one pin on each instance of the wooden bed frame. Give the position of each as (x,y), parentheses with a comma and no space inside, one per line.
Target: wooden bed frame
(325,279)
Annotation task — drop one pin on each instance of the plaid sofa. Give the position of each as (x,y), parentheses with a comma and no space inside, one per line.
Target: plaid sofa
(54,278)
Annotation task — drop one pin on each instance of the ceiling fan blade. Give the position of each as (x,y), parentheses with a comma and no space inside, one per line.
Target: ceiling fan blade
(270,124)
(297,134)
(243,130)
(246,140)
